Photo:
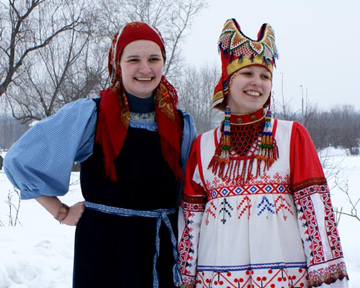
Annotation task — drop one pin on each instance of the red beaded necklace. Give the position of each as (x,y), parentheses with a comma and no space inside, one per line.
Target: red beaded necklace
(250,138)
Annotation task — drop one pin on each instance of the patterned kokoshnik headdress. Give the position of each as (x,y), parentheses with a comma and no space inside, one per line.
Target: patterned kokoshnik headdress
(238,51)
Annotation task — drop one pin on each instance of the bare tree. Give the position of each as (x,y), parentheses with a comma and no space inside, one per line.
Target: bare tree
(345,128)
(172,17)
(195,89)
(344,187)
(26,27)
(318,125)
(10,131)
(63,73)
(60,72)
(14,207)
(285,111)
(71,63)
(338,127)
(10,128)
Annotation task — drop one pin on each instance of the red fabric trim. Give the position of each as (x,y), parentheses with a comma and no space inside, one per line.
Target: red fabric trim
(110,132)
(190,187)
(216,140)
(274,128)
(201,172)
(192,199)
(169,125)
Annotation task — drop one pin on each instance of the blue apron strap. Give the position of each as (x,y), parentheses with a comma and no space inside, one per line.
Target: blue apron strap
(176,269)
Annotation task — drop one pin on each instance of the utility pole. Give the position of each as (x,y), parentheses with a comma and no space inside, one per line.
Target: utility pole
(302,104)
(282,94)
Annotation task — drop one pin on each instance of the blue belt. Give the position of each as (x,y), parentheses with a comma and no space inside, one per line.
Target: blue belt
(161,215)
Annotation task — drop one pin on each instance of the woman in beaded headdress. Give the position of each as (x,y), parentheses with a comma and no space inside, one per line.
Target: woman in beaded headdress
(256,205)
(132,144)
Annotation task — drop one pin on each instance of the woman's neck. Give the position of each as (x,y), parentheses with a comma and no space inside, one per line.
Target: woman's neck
(140,105)
(247,118)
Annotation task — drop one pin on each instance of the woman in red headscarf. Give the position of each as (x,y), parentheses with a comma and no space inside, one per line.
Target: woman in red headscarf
(132,143)
(256,205)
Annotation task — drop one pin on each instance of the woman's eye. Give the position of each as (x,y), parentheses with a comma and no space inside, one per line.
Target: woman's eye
(246,73)
(154,59)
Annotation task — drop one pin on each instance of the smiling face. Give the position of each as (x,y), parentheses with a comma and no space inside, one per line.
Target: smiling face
(249,89)
(141,66)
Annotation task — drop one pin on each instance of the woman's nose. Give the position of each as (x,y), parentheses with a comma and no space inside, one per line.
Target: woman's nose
(144,68)
(255,81)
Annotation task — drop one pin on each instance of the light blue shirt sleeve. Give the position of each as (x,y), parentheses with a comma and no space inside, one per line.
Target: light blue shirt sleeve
(40,162)
(189,135)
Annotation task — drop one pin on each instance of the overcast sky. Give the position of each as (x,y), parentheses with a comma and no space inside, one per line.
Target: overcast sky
(318,43)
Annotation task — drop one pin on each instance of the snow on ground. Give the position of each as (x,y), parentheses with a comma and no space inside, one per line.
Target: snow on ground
(39,252)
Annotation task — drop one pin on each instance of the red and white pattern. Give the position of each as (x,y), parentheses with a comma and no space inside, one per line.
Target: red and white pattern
(323,267)
(331,227)
(264,278)
(187,252)
(312,233)
(265,233)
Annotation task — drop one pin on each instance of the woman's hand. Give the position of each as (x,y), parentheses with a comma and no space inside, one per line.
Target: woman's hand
(62,212)
(74,214)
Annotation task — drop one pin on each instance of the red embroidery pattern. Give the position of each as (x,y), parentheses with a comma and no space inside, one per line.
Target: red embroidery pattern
(211,210)
(186,251)
(194,207)
(282,205)
(249,190)
(308,218)
(328,274)
(262,278)
(308,191)
(184,247)
(245,204)
(261,185)
(331,229)
(307,208)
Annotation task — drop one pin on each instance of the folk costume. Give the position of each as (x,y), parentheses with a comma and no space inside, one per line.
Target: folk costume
(132,153)
(256,205)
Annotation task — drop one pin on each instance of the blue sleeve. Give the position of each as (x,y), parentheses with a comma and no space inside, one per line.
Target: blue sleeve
(40,162)
(189,135)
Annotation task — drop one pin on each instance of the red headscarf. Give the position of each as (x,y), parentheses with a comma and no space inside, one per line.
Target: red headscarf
(114,116)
